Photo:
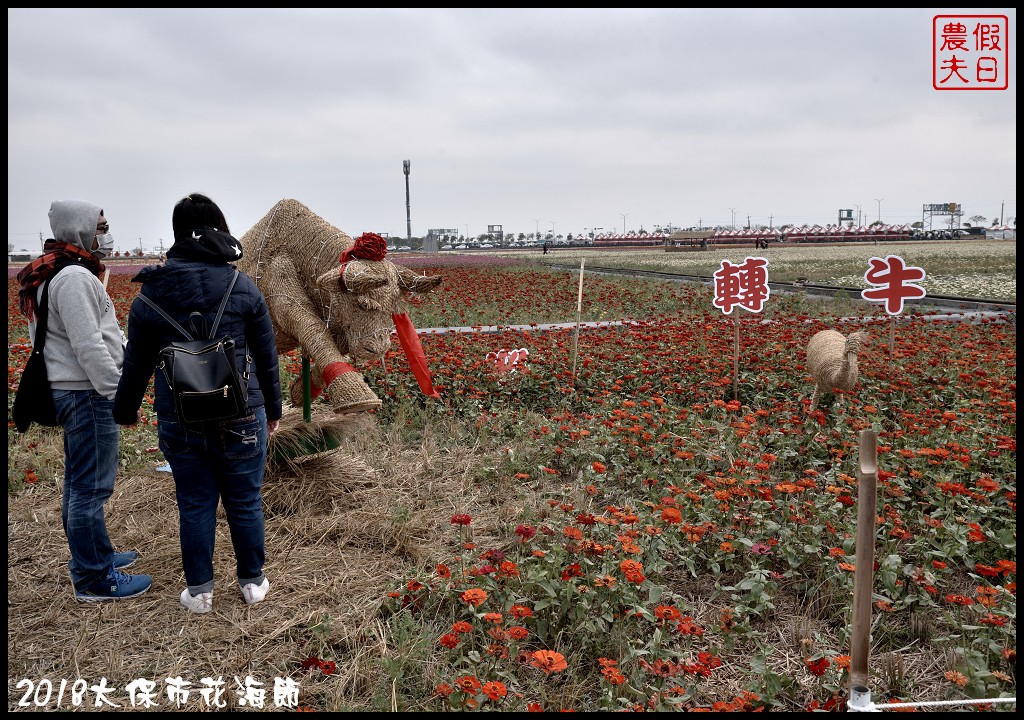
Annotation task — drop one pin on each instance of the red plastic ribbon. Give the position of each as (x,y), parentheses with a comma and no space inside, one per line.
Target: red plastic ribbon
(414,352)
(335,369)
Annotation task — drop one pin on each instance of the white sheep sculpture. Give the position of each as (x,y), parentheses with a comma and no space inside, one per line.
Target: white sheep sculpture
(832,360)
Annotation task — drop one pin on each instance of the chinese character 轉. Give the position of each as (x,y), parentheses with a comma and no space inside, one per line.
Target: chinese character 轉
(745,285)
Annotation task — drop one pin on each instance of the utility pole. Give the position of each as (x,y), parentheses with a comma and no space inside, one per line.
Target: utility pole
(408,211)
(770,225)
(1002,206)
(536,232)
(732,225)
(624,216)
(748,222)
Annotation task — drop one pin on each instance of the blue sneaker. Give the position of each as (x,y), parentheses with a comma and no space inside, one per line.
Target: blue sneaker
(116,586)
(125,559)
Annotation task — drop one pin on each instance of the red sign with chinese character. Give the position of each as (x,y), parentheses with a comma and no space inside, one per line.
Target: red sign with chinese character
(745,285)
(894,281)
(970,52)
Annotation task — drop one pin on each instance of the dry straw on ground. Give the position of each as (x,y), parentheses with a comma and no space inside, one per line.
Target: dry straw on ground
(342,527)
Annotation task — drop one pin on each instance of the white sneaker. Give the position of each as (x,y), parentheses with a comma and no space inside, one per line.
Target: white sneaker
(254,593)
(201,603)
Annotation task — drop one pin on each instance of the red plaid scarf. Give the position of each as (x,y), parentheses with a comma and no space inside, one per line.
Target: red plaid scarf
(56,256)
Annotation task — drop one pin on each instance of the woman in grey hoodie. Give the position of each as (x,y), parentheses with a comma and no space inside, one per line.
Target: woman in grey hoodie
(84,353)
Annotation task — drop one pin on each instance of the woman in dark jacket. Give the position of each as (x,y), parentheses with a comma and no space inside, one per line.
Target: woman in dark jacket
(215,461)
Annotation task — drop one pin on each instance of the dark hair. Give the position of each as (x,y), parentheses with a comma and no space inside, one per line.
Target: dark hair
(195,211)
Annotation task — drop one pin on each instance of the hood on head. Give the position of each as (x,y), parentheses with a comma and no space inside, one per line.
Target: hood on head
(74,222)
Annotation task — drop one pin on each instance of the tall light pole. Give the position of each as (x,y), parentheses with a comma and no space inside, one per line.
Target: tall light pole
(408,212)
(733,224)
(858,213)
(553,227)
(536,233)
(879,201)
(623,216)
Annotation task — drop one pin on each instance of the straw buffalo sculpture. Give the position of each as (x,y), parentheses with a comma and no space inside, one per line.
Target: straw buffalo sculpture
(335,298)
(832,360)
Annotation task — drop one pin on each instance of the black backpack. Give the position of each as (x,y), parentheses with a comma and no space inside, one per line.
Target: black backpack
(202,374)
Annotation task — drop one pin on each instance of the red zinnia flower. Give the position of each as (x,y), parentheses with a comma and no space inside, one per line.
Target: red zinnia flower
(817,667)
(520,611)
(525,532)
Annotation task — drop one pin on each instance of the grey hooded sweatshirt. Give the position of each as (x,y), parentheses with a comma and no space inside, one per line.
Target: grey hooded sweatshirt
(84,344)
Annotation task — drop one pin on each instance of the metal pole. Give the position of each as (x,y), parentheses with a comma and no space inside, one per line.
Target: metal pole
(408,212)
(879,201)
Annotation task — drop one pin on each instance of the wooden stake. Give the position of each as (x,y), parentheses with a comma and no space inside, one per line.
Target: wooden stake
(736,359)
(860,632)
(106,278)
(579,314)
(892,333)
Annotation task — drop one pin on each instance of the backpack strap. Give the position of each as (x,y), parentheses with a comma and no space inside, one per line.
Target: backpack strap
(223,304)
(165,316)
(42,316)
(216,321)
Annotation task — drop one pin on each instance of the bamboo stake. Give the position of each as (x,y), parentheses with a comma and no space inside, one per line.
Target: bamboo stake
(892,333)
(860,633)
(579,314)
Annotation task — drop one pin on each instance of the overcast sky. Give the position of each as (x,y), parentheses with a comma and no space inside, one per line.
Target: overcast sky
(525,118)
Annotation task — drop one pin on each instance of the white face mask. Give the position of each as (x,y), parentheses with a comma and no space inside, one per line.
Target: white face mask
(104,246)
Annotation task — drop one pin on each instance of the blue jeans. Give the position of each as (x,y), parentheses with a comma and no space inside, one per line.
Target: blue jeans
(90,464)
(211,462)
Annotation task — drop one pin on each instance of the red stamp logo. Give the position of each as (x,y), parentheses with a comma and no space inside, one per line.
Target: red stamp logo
(970,52)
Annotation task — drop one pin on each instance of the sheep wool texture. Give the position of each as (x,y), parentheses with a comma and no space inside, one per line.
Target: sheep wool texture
(832,360)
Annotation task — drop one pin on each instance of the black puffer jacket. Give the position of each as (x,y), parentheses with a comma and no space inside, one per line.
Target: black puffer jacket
(181,286)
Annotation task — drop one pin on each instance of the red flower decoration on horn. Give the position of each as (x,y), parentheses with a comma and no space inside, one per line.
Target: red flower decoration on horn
(368,246)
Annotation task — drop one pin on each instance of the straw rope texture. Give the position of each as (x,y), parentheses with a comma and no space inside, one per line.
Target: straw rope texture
(832,360)
(333,315)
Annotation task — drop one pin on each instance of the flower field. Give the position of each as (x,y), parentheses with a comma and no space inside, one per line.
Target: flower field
(651,522)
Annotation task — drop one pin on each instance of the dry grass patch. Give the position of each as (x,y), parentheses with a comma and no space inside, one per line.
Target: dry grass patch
(342,530)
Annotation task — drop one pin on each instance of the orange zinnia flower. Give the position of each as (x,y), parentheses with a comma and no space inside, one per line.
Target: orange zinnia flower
(956,677)
(495,690)
(671,515)
(633,570)
(549,661)
(474,597)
